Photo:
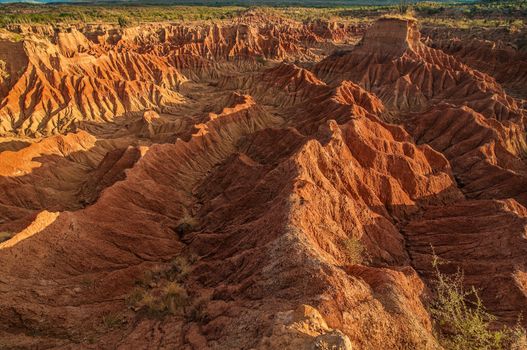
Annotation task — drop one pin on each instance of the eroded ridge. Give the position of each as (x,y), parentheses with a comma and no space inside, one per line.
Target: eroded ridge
(257,183)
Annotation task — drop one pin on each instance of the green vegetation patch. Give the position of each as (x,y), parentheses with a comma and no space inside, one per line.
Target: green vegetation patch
(454,13)
(115,14)
(462,322)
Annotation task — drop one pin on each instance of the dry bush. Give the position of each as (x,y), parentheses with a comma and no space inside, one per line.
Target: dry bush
(135,297)
(354,250)
(169,299)
(181,267)
(151,304)
(462,321)
(4,74)
(4,236)
(112,320)
(175,297)
(198,310)
(161,290)
(123,22)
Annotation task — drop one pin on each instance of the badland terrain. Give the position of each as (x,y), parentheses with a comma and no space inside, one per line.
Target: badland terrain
(262,182)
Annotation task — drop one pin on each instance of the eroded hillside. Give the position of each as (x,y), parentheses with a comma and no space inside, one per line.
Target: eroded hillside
(197,186)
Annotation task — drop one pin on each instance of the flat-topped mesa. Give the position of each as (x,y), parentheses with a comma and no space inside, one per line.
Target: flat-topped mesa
(391,36)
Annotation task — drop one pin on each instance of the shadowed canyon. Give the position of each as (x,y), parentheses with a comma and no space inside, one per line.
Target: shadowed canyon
(256,183)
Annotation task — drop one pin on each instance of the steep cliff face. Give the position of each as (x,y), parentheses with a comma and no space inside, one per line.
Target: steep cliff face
(189,187)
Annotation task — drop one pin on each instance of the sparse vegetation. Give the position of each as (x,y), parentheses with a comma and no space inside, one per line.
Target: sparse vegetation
(261,60)
(403,7)
(170,299)
(452,14)
(16,37)
(123,22)
(186,224)
(462,321)
(354,250)
(112,320)
(3,71)
(4,235)
(161,291)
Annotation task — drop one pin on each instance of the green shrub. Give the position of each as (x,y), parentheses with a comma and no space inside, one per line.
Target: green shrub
(462,321)
(123,22)
(429,11)
(403,7)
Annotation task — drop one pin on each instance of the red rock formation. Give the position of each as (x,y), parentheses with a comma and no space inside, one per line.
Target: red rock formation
(77,79)
(487,156)
(207,198)
(280,189)
(408,75)
(49,175)
(502,60)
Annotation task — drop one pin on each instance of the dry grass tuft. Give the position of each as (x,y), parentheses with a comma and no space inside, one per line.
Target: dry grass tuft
(112,320)
(4,236)
(354,250)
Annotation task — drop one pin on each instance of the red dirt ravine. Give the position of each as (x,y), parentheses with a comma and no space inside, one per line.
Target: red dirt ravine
(190,187)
